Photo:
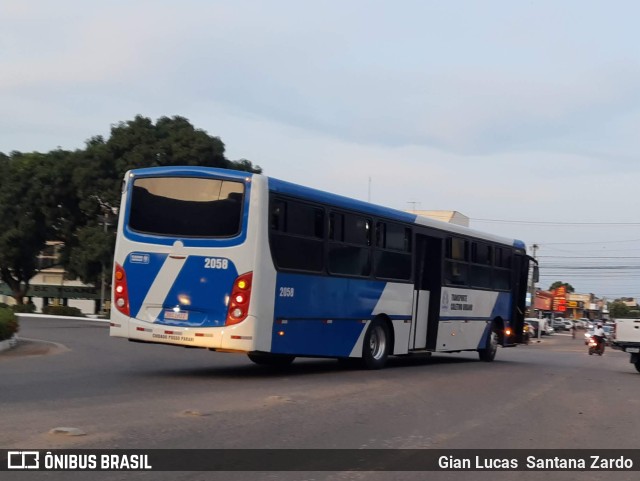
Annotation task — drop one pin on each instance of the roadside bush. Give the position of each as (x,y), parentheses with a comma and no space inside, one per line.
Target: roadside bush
(24,308)
(8,323)
(62,311)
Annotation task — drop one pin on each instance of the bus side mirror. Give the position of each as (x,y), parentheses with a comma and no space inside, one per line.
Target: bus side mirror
(536,274)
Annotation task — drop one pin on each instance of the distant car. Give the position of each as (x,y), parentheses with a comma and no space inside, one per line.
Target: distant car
(558,324)
(546,329)
(533,326)
(568,325)
(583,323)
(528,332)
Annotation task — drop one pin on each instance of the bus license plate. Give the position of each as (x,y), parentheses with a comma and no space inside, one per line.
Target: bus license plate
(176,316)
(633,349)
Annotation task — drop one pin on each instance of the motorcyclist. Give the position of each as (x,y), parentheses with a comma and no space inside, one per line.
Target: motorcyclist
(599,335)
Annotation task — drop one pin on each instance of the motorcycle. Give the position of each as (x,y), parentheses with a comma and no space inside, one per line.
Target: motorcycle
(595,346)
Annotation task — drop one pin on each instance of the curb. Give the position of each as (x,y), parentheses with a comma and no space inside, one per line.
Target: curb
(65,318)
(24,346)
(8,343)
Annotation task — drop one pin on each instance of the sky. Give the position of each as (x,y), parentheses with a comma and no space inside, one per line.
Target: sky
(523,116)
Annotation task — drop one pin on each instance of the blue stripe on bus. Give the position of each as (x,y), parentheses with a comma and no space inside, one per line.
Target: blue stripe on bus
(193,291)
(502,307)
(193,171)
(141,269)
(316,338)
(326,297)
(485,336)
(342,301)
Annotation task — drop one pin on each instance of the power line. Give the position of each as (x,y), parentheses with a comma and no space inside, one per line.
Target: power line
(588,257)
(588,242)
(556,223)
(590,267)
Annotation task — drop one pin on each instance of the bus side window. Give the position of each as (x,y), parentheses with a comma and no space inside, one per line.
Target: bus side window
(392,256)
(456,267)
(278,215)
(349,241)
(336,226)
(297,235)
(357,230)
(480,271)
(502,269)
(455,273)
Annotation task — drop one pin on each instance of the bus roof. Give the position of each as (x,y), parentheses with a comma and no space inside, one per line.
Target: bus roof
(300,191)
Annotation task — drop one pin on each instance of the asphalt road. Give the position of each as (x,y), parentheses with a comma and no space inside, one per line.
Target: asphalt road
(126,395)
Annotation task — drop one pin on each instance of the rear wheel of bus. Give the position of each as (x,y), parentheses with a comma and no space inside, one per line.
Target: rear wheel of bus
(376,346)
(488,354)
(266,359)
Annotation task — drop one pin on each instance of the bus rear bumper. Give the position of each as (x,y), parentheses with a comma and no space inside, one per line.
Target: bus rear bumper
(237,338)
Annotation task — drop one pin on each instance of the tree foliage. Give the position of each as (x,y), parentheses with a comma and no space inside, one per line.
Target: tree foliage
(557,284)
(35,206)
(618,309)
(73,197)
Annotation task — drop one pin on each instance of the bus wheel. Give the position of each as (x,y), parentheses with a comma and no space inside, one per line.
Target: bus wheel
(488,354)
(377,342)
(637,365)
(266,359)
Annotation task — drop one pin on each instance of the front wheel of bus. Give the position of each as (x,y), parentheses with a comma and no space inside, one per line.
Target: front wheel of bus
(488,354)
(275,360)
(377,342)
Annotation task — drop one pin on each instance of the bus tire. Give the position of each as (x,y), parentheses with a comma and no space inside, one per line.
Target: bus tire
(266,359)
(488,354)
(637,365)
(376,345)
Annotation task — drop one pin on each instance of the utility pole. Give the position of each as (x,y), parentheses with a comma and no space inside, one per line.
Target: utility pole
(532,286)
(107,210)
(413,204)
(532,294)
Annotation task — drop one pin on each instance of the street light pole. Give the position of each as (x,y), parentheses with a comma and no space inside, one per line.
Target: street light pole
(102,276)
(107,210)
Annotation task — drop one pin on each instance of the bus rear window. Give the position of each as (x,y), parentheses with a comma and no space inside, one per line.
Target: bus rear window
(186,207)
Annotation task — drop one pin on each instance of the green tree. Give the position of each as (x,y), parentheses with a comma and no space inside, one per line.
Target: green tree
(557,284)
(618,309)
(34,207)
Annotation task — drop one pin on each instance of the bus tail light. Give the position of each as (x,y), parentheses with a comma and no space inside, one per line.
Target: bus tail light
(120,291)
(239,299)
(507,331)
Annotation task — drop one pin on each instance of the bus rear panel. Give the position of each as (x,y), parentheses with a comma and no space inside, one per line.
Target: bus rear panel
(183,272)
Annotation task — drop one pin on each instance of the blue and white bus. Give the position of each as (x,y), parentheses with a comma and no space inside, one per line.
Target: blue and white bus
(240,262)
